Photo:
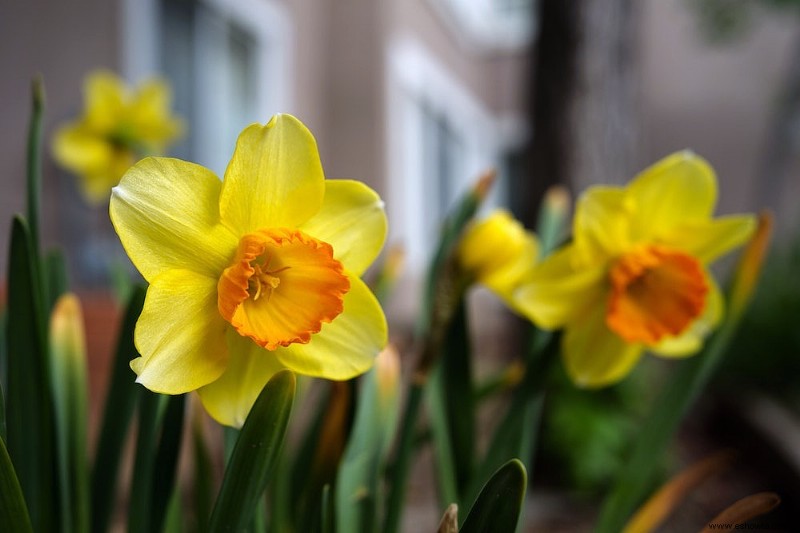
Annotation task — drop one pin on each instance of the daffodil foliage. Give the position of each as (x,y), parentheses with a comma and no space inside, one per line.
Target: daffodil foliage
(252,274)
(118,127)
(635,275)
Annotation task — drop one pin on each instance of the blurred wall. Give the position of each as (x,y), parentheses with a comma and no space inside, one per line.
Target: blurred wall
(717,100)
(62,41)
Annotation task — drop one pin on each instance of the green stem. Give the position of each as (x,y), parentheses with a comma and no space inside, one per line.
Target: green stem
(34,182)
(399,472)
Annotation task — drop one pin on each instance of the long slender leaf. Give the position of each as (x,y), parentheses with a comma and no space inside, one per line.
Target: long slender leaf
(357,485)
(151,410)
(30,407)
(499,504)
(254,456)
(55,269)
(34,181)
(166,460)
(13,511)
(452,410)
(203,478)
(70,391)
(119,405)
(443,291)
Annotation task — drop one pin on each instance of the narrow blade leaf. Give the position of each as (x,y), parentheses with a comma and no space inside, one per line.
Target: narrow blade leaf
(254,456)
(499,504)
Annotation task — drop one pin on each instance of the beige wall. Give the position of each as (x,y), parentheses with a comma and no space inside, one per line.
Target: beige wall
(716,100)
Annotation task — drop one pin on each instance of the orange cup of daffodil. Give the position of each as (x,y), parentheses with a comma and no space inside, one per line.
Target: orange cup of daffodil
(635,276)
(252,274)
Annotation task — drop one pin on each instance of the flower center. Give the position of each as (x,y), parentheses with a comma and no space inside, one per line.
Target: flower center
(282,286)
(655,292)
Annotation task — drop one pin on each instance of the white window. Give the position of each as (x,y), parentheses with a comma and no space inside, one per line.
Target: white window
(227,60)
(490,24)
(440,140)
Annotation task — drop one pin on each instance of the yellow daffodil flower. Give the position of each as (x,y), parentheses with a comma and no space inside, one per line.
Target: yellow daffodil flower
(499,253)
(117,128)
(252,274)
(635,275)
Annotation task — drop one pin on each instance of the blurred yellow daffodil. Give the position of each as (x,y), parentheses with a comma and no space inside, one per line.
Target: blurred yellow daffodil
(499,253)
(252,274)
(635,275)
(118,127)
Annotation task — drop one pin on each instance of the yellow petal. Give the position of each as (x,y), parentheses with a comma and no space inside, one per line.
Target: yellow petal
(559,290)
(678,189)
(691,340)
(180,334)
(274,178)
(166,215)
(353,221)
(593,355)
(347,346)
(498,252)
(149,113)
(105,96)
(707,240)
(230,398)
(601,228)
(79,150)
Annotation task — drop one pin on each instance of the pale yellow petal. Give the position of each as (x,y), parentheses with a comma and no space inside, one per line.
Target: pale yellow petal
(498,252)
(601,228)
(149,113)
(180,334)
(560,289)
(80,151)
(352,220)
(347,346)
(690,341)
(229,399)
(680,188)
(96,185)
(593,355)
(166,214)
(274,178)
(709,239)
(105,96)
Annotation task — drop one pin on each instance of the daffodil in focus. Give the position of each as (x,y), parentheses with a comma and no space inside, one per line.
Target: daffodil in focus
(252,274)
(119,126)
(635,276)
(499,253)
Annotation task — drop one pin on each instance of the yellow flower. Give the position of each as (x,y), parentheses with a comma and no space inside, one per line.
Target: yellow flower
(253,274)
(635,275)
(499,253)
(117,128)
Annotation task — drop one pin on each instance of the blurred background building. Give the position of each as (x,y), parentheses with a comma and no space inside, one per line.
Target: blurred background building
(415,97)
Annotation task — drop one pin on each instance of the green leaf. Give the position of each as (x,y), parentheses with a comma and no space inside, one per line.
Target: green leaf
(358,481)
(151,411)
(499,504)
(34,181)
(70,388)
(254,456)
(13,511)
(119,405)
(444,290)
(29,401)
(452,410)
(166,459)
(203,475)
(55,276)
(516,436)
